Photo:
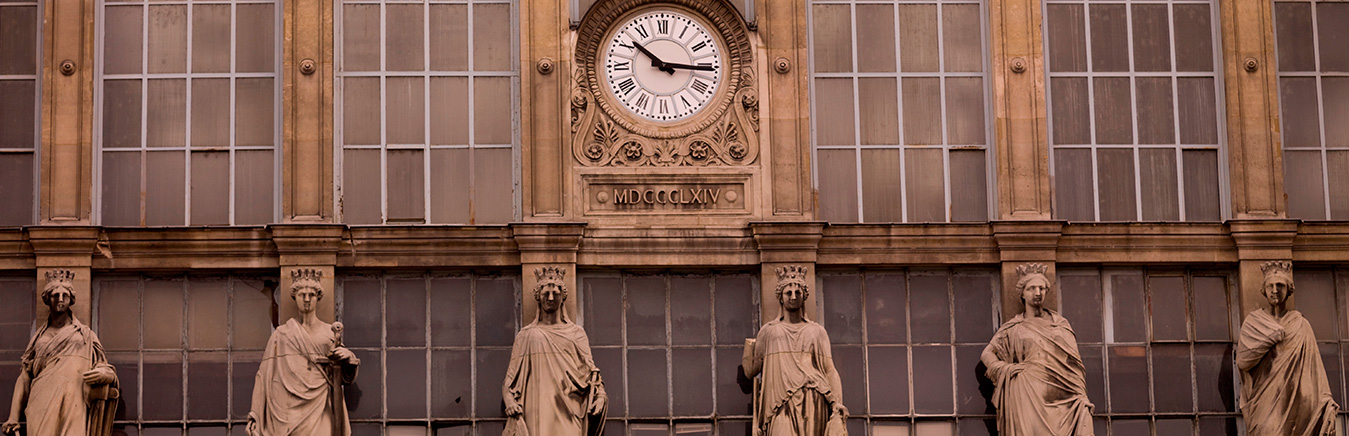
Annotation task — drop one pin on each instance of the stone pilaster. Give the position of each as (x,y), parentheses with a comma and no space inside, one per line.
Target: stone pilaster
(69,248)
(1260,241)
(548,244)
(67,112)
(1023,242)
(782,244)
(307,246)
(782,25)
(1255,159)
(1021,138)
(307,112)
(545,76)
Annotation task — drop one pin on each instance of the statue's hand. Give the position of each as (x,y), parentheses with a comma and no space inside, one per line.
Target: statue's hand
(252,427)
(98,376)
(1279,335)
(598,406)
(513,408)
(840,410)
(10,427)
(344,355)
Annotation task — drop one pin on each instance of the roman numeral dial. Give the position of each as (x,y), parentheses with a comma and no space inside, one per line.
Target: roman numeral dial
(663,65)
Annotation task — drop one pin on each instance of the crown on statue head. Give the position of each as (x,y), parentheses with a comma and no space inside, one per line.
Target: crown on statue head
(1026,269)
(1278,268)
(792,274)
(550,275)
(60,278)
(306,278)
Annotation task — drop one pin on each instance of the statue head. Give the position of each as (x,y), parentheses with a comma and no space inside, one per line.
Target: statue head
(306,288)
(551,290)
(792,289)
(1032,284)
(1278,284)
(59,293)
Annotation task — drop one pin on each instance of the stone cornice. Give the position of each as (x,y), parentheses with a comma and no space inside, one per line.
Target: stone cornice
(428,246)
(793,241)
(1321,242)
(1264,239)
(547,242)
(15,250)
(57,246)
(683,247)
(308,244)
(911,244)
(1020,241)
(1146,243)
(184,248)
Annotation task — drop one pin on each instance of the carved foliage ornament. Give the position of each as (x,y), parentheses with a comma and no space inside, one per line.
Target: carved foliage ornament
(725,132)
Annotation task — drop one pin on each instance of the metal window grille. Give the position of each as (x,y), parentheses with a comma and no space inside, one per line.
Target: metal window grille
(20,94)
(1135,110)
(1313,91)
(428,111)
(188,122)
(899,96)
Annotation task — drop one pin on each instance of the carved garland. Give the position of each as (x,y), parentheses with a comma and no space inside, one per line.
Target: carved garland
(726,133)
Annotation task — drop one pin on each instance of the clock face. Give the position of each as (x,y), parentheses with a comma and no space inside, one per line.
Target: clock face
(663,65)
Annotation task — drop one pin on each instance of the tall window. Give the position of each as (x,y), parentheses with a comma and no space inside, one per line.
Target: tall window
(907,345)
(669,347)
(188,128)
(1314,95)
(434,351)
(1324,293)
(16,325)
(1158,348)
(186,349)
(900,116)
(19,94)
(427,110)
(1134,110)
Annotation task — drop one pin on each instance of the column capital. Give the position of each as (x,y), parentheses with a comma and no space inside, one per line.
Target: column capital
(307,244)
(1028,241)
(787,242)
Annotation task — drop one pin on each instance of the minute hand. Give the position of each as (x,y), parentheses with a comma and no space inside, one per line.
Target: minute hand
(691,67)
(655,61)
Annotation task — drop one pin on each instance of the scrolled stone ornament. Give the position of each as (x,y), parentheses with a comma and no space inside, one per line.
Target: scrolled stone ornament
(66,387)
(1284,389)
(1040,381)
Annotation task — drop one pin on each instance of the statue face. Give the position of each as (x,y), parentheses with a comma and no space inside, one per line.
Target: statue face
(1277,291)
(792,297)
(551,298)
(60,300)
(1034,292)
(307,300)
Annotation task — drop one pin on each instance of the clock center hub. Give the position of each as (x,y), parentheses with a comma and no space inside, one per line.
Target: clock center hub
(663,82)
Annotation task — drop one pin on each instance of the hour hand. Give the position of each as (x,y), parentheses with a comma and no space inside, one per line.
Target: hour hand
(655,61)
(691,67)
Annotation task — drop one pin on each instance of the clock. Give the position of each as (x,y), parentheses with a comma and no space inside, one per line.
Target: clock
(663,65)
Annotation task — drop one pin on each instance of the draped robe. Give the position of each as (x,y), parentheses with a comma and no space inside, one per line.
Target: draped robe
(57,394)
(799,384)
(549,376)
(1041,386)
(1284,391)
(293,391)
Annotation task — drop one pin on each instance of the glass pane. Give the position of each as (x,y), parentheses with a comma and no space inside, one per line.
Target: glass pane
(254,104)
(360,111)
(122,40)
(407,383)
(1303,183)
(603,299)
(881,185)
(1067,38)
(733,389)
(832,38)
(1336,89)
(16,189)
(360,38)
(1073,185)
(1171,378)
(976,319)
(407,298)
(1082,302)
(163,314)
(735,299)
(1130,426)
(1068,107)
(922,111)
(1167,304)
(254,187)
(690,311)
(448,95)
(1194,37)
(1293,36)
(167,49)
(1332,33)
(404,102)
(1109,37)
(210,113)
(876,37)
(692,382)
(166,114)
(1093,359)
(18,127)
(962,47)
(492,110)
(838,184)
(1151,37)
(887,298)
(1202,201)
(128,377)
(17,321)
(1115,180)
(1217,388)
(365,396)
(1338,177)
(1211,309)
(1129,307)
(930,306)
(1128,371)
(932,377)
(360,313)
(493,193)
(487,402)
(210,188)
(361,187)
(406,187)
(842,308)
(163,384)
(612,360)
(834,112)
(879,108)
(492,37)
(252,322)
(451,383)
(164,188)
(116,330)
(449,38)
(1114,115)
(1317,285)
(926,184)
(971,383)
(206,322)
(207,385)
(496,312)
(647,375)
(850,365)
(1156,124)
(918,38)
(121,188)
(1198,110)
(1157,180)
(1298,98)
(965,111)
(969,185)
(403,42)
(256,32)
(646,302)
(451,302)
(890,429)
(450,170)
(211,39)
(934,428)
(1217,426)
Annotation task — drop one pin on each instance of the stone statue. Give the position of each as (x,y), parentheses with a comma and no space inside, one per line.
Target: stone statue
(298,389)
(1040,382)
(799,393)
(1284,391)
(552,386)
(66,387)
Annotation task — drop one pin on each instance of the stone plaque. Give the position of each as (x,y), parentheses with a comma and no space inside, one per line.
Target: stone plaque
(665,194)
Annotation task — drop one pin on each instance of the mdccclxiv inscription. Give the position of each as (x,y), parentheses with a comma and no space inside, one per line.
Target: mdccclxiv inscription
(694,196)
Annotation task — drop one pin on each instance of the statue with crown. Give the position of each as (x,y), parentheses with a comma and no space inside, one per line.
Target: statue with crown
(552,387)
(798,392)
(298,388)
(1284,389)
(66,386)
